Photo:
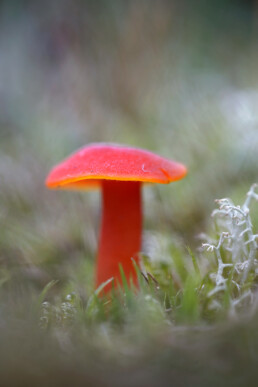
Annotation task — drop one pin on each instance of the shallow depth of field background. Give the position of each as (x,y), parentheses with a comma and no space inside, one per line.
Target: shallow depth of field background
(179,78)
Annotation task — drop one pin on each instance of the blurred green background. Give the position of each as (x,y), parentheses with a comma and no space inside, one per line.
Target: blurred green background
(176,77)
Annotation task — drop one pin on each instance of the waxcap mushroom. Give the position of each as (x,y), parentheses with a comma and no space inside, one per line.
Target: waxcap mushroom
(103,161)
(119,171)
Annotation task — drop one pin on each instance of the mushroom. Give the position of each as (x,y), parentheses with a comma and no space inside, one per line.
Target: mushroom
(119,171)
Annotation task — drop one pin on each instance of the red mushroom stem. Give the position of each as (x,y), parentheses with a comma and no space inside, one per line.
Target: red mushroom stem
(120,234)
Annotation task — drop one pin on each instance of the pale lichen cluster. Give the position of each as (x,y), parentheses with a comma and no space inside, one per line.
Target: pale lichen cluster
(236,254)
(62,314)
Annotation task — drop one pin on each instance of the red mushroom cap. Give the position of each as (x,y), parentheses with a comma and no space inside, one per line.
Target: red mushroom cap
(89,165)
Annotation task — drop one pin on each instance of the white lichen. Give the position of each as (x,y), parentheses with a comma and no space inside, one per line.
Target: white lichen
(235,253)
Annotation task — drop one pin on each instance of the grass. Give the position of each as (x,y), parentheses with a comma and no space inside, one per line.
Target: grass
(187,288)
